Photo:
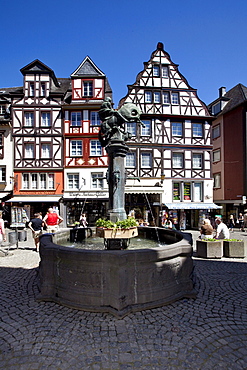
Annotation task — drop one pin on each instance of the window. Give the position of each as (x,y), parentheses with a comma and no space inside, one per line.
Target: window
(216,155)
(76,148)
(176,191)
(28,119)
(28,150)
(197,130)
(178,160)
(97,180)
(165,72)
(73,181)
(46,119)
(177,129)
(130,160)
(216,108)
(146,131)
(187,191)
(197,197)
(51,181)
(95,148)
(197,161)
(95,120)
(34,181)
(166,97)
(45,151)
(42,89)
(38,181)
(75,118)
(148,97)
(146,160)
(2,109)
(175,98)
(131,128)
(42,178)
(156,97)
(2,174)
(217,180)
(216,132)
(88,88)
(25,181)
(156,71)
(31,89)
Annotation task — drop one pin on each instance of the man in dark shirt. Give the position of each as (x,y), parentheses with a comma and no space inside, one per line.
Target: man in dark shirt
(36,225)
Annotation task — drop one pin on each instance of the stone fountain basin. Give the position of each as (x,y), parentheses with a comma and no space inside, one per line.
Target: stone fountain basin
(116,281)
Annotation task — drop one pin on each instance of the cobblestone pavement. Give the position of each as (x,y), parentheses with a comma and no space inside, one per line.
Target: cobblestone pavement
(209,332)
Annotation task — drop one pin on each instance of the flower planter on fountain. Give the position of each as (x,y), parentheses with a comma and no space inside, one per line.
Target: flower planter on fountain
(234,248)
(116,233)
(209,248)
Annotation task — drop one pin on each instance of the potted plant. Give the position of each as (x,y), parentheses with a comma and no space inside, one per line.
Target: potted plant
(209,248)
(123,229)
(234,248)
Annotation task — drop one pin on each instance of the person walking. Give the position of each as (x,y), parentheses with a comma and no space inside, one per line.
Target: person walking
(241,222)
(222,231)
(231,223)
(36,225)
(52,220)
(2,229)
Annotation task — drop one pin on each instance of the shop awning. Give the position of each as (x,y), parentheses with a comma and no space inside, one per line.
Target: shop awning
(29,199)
(192,205)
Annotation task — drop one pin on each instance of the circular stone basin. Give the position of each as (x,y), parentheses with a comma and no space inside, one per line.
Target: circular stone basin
(117,281)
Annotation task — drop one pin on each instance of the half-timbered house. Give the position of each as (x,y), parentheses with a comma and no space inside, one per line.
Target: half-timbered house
(85,161)
(37,130)
(171,154)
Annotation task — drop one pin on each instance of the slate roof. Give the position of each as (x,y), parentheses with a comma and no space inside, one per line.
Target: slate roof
(234,97)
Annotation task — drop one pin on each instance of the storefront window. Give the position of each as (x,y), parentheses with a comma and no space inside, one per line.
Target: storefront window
(187,191)
(176,191)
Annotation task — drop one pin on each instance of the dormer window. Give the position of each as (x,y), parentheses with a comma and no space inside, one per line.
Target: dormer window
(165,72)
(43,90)
(2,109)
(88,88)
(31,89)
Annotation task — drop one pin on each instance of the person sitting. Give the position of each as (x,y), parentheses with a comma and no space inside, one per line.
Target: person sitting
(206,230)
(222,231)
(168,224)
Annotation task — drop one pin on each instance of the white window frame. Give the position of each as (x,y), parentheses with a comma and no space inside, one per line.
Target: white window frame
(94,118)
(165,72)
(88,89)
(76,149)
(3,174)
(130,160)
(197,130)
(131,128)
(28,119)
(166,98)
(76,121)
(175,98)
(148,97)
(146,160)
(97,181)
(157,97)
(178,160)
(177,129)
(196,192)
(38,181)
(197,161)
(156,71)
(146,131)
(73,181)
(95,148)
(46,150)
(217,180)
(28,150)
(46,119)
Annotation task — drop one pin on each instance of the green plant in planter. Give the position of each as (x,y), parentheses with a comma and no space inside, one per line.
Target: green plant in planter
(233,240)
(123,224)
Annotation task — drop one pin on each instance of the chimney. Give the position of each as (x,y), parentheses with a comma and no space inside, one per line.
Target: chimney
(222,91)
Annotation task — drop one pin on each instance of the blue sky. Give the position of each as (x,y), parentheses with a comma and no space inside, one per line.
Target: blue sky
(206,38)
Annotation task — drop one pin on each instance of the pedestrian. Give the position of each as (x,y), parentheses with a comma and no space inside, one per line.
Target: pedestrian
(36,225)
(245,221)
(52,220)
(222,231)
(241,222)
(2,229)
(206,229)
(231,223)
(83,220)
(168,224)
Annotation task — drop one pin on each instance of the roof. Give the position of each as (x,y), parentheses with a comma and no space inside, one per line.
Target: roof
(233,98)
(87,68)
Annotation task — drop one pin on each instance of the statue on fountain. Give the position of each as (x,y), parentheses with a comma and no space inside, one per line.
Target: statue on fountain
(113,121)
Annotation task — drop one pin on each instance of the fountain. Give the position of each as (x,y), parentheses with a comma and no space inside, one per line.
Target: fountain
(117,280)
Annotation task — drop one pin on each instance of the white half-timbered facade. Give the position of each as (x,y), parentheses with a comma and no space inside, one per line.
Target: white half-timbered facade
(171,154)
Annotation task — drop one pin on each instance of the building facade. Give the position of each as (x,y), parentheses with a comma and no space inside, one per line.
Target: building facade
(171,155)
(229,157)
